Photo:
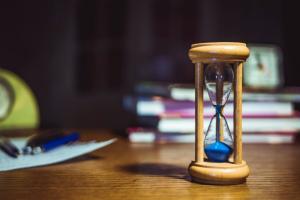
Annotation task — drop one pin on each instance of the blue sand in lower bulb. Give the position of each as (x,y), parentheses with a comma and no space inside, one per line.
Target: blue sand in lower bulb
(218,152)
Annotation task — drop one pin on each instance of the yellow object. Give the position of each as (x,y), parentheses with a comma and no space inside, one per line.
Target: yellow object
(18,106)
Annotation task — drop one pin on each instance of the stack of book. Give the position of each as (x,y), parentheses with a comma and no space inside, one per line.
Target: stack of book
(166,114)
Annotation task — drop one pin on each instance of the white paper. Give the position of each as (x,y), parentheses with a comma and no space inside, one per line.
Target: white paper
(57,155)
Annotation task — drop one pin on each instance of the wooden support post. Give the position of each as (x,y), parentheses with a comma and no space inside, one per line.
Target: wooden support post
(199,136)
(238,77)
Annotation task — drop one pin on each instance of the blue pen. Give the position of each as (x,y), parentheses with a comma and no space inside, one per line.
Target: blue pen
(52,144)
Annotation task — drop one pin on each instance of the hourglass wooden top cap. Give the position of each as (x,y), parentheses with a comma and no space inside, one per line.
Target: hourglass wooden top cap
(219,51)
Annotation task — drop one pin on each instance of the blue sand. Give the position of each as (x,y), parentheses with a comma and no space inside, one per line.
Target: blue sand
(218,152)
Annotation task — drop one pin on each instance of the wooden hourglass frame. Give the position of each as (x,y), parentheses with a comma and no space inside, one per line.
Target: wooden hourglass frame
(235,170)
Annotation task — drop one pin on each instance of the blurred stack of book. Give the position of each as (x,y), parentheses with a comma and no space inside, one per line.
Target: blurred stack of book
(165,114)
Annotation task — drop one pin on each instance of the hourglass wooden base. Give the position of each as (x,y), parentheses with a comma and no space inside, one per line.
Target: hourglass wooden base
(218,173)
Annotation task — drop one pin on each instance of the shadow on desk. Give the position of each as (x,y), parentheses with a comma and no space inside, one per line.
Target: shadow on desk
(83,158)
(157,169)
(193,190)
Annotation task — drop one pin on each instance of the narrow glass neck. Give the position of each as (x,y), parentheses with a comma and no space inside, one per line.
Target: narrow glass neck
(219,108)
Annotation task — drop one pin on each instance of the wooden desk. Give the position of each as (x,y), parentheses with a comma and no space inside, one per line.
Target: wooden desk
(126,171)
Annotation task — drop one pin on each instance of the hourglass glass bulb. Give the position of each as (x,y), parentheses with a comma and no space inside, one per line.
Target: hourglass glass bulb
(218,140)
(218,81)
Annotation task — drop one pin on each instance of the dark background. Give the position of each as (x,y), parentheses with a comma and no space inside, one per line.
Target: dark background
(81,56)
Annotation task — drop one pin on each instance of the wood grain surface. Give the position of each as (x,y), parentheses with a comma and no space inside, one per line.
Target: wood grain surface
(199,137)
(135,171)
(237,111)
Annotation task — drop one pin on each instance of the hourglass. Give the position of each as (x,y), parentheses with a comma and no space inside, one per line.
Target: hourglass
(218,150)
